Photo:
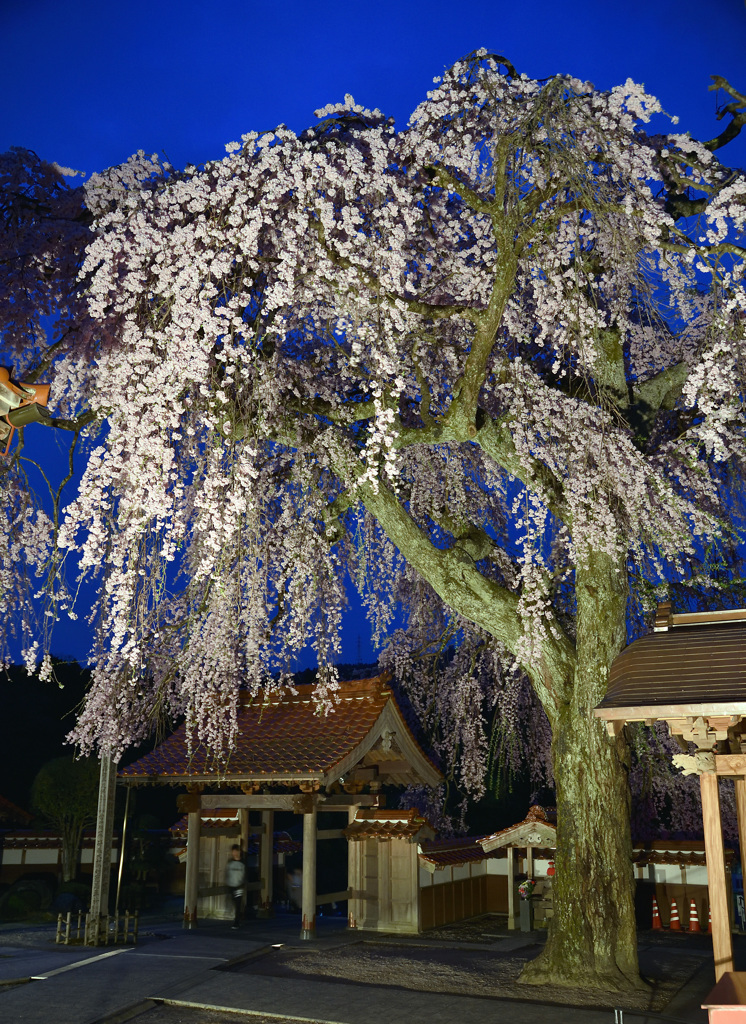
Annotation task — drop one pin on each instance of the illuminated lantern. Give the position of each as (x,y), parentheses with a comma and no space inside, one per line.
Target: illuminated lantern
(20,404)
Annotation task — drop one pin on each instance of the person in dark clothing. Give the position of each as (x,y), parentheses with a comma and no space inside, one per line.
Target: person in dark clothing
(235,879)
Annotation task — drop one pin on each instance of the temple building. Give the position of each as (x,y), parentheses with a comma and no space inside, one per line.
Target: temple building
(289,758)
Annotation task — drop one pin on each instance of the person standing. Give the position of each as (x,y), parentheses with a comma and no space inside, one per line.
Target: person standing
(235,879)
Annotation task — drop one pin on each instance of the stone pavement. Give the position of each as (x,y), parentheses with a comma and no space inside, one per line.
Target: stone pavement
(73,985)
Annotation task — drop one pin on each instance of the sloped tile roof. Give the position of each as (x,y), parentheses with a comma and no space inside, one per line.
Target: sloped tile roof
(280,740)
(684,852)
(687,665)
(384,824)
(9,812)
(224,817)
(446,853)
(227,818)
(538,828)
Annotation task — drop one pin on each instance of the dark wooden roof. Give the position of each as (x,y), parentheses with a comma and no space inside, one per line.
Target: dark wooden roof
(689,670)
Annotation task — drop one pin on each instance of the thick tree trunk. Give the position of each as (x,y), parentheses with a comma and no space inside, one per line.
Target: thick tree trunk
(592,940)
(71,839)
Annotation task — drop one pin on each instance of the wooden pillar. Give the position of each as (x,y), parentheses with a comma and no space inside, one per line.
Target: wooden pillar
(511,888)
(354,872)
(741,812)
(266,859)
(102,851)
(722,946)
(530,861)
(308,894)
(243,819)
(191,888)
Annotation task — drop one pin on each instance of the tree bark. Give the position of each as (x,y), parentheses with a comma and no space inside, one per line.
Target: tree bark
(71,839)
(592,938)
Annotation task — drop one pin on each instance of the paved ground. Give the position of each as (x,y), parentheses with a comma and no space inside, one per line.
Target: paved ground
(189,976)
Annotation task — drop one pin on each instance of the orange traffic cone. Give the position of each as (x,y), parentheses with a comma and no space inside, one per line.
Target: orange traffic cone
(674,923)
(657,924)
(709,920)
(693,917)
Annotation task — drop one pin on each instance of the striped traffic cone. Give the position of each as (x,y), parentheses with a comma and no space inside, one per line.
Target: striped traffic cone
(693,918)
(657,923)
(674,923)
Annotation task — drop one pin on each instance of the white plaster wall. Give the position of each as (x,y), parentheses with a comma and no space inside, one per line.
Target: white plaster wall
(426,877)
(670,874)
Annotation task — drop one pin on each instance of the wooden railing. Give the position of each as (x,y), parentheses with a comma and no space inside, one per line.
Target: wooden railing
(103,931)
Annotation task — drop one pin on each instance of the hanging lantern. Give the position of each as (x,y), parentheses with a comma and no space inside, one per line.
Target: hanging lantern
(550,869)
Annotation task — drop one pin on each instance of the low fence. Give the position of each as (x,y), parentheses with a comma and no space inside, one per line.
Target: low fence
(87,930)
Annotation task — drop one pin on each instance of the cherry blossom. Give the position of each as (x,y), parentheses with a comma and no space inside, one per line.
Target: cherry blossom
(489,365)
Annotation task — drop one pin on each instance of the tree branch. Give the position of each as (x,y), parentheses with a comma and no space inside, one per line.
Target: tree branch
(429,309)
(452,575)
(496,441)
(737,110)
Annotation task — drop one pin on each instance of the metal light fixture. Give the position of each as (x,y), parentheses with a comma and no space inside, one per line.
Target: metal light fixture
(20,404)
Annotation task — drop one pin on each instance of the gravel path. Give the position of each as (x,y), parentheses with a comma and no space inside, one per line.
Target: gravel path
(474,972)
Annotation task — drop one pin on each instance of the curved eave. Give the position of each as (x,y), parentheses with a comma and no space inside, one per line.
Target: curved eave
(423,770)
(223,782)
(663,712)
(543,836)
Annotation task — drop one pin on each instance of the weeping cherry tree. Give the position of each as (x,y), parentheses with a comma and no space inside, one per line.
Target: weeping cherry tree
(489,367)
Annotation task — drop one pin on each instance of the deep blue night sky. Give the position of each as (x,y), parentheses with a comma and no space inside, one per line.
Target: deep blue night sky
(88,83)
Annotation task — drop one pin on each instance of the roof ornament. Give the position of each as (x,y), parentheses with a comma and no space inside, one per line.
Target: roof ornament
(387,739)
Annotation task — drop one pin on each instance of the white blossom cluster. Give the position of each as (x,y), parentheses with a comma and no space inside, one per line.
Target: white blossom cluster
(461,362)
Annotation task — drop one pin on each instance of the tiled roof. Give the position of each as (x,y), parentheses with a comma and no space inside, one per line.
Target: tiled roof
(689,665)
(282,842)
(43,839)
(687,853)
(445,853)
(537,829)
(383,824)
(220,818)
(281,740)
(9,812)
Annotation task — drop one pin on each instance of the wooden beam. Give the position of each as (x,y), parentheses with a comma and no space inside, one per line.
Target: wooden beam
(666,712)
(254,801)
(334,897)
(394,767)
(343,801)
(330,833)
(511,888)
(740,785)
(730,764)
(722,946)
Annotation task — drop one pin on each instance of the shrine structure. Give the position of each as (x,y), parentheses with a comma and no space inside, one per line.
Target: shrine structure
(288,757)
(690,673)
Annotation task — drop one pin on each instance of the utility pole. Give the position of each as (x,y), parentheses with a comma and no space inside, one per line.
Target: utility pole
(99,910)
